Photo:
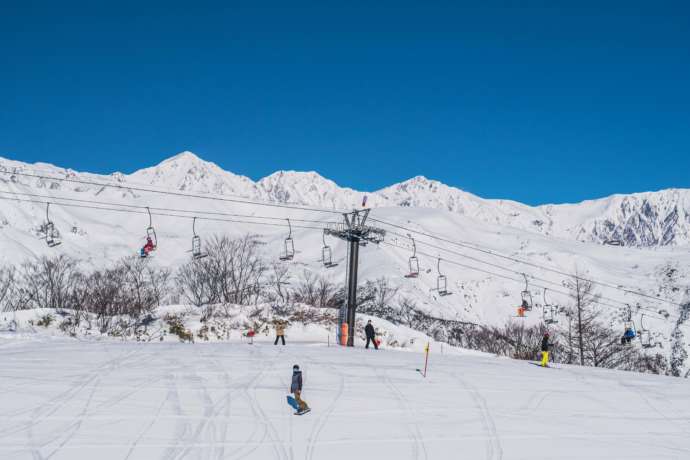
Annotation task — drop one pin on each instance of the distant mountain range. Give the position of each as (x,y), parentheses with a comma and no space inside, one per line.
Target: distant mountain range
(648,219)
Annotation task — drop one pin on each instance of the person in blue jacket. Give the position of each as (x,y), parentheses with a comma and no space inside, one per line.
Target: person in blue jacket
(296,389)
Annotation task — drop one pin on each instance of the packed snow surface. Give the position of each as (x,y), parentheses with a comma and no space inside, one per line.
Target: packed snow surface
(69,399)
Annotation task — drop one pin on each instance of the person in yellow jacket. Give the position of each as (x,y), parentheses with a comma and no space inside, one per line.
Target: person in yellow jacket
(545,350)
(280,332)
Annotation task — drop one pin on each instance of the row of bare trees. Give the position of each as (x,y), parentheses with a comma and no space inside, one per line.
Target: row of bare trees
(131,287)
(234,272)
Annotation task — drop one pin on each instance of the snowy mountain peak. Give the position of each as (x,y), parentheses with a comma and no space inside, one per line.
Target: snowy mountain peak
(649,219)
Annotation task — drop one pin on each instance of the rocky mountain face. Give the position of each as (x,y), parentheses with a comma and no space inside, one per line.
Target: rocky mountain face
(649,219)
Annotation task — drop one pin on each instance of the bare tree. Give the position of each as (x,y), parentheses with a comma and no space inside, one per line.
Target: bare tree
(278,278)
(584,297)
(7,288)
(407,308)
(49,281)
(237,268)
(197,284)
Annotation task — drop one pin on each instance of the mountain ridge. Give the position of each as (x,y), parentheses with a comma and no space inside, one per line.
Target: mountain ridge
(642,219)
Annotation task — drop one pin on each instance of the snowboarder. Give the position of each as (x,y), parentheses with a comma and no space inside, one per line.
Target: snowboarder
(280,332)
(545,350)
(296,390)
(371,335)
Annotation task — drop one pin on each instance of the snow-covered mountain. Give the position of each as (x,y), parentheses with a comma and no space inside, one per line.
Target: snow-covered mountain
(649,219)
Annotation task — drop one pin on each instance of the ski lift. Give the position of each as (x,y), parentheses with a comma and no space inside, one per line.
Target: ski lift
(645,335)
(550,311)
(196,243)
(441,281)
(413,263)
(151,239)
(289,245)
(52,235)
(629,330)
(527,301)
(326,253)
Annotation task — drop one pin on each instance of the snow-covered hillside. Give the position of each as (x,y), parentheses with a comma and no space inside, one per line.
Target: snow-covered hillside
(545,236)
(66,399)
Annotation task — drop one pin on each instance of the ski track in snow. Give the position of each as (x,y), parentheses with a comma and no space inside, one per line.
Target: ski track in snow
(227,401)
(322,420)
(494,451)
(419,449)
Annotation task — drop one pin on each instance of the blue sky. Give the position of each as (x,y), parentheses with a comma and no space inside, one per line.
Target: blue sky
(529,101)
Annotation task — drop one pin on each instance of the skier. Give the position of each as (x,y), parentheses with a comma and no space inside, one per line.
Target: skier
(296,390)
(545,350)
(280,332)
(371,335)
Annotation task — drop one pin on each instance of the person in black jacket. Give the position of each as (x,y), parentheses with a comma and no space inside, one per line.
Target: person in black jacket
(545,350)
(371,335)
(296,389)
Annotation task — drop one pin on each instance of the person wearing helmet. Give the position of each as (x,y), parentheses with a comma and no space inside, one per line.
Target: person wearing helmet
(545,350)
(296,390)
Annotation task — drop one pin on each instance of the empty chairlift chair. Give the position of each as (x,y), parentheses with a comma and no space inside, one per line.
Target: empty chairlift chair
(197,253)
(326,253)
(52,235)
(645,335)
(289,253)
(441,281)
(550,312)
(413,262)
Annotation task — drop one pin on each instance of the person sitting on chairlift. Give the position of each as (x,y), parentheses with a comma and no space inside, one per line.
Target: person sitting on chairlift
(148,247)
(628,335)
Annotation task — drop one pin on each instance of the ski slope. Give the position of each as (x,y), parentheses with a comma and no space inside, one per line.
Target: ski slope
(65,399)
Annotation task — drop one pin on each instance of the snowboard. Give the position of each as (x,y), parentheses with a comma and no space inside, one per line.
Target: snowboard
(293,403)
(303,412)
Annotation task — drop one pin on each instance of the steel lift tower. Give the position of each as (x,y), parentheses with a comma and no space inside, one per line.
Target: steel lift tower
(355,231)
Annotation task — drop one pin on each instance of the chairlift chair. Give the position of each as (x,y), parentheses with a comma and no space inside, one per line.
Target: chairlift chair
(150,236)
(52,236)
(197,253)
(413,262)
(289,253)
(550,311)
(150,231)
(326,253)
(526,295)
(645,335)
(441,281)
(629,330)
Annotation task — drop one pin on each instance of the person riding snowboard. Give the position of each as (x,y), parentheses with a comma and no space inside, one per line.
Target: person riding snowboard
(545,350)
(296,390)
(371,335)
